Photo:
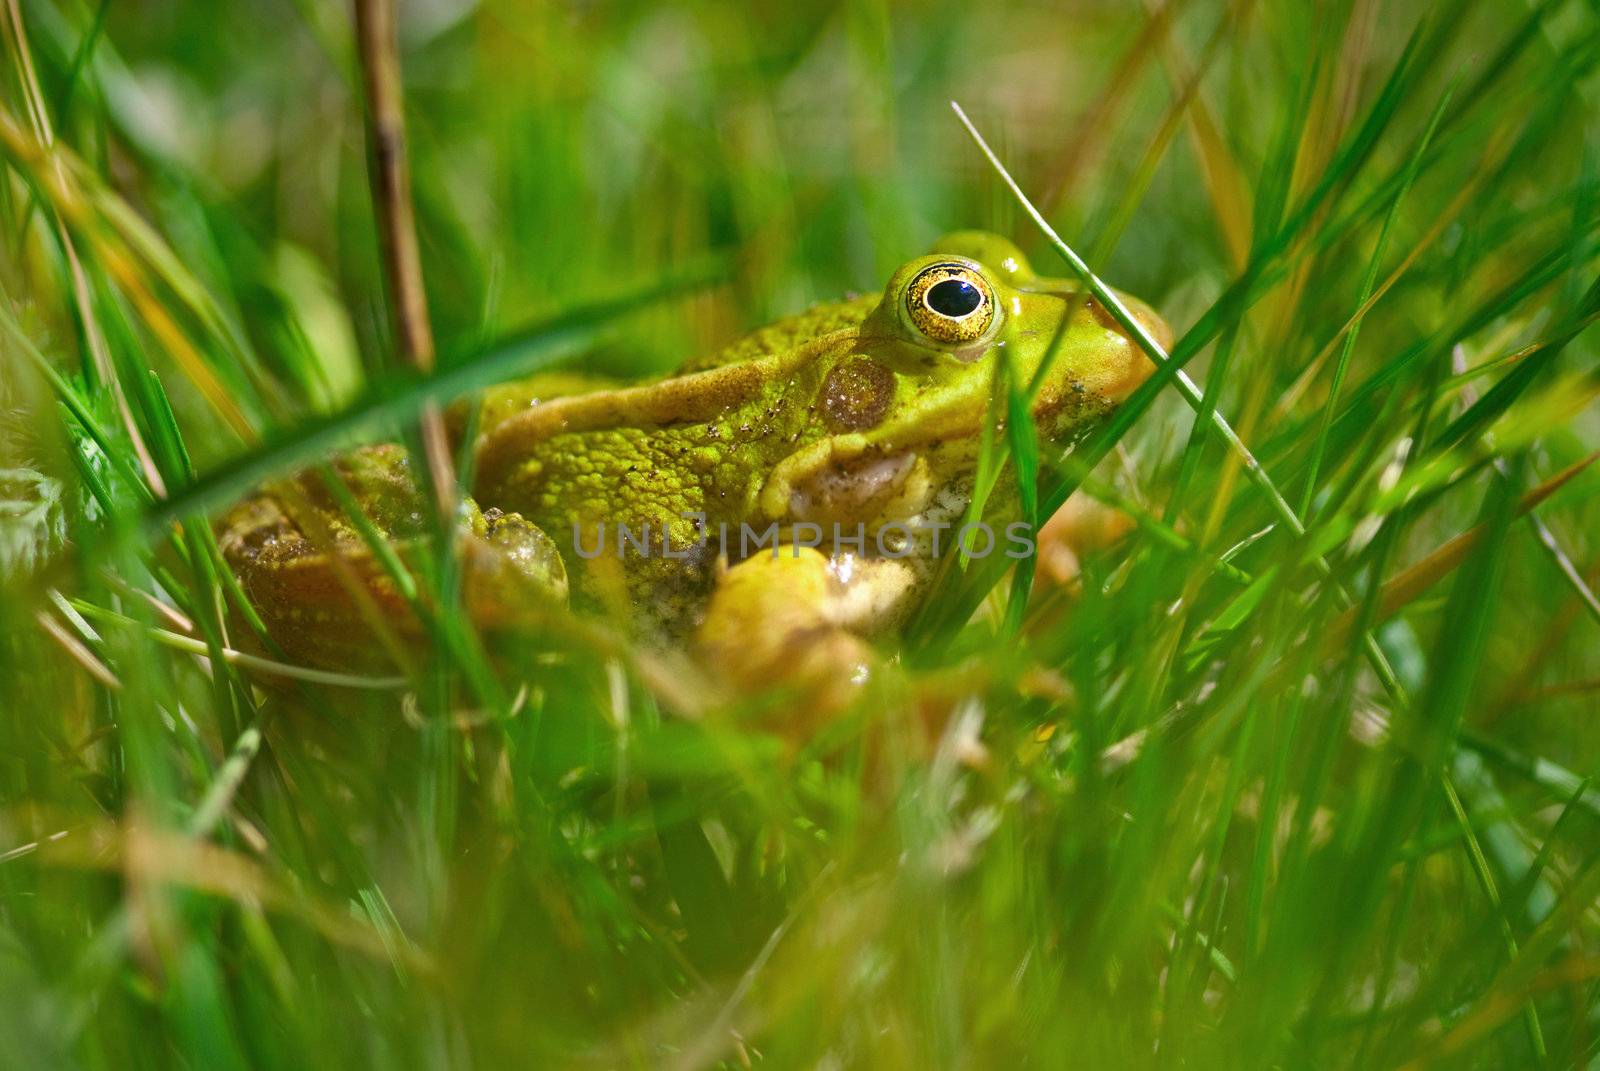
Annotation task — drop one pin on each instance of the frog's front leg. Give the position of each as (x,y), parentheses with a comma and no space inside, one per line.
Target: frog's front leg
(327,599)
(796,618)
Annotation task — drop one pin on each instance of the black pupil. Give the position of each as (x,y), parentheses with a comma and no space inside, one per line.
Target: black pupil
(953,297)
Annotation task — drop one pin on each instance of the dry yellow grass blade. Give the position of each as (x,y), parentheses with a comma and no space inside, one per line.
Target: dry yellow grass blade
(76,650)
(56,174)
(94,338)
(1225,182)
(378,48)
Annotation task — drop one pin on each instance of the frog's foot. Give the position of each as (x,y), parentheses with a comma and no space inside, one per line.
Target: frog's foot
(793,620)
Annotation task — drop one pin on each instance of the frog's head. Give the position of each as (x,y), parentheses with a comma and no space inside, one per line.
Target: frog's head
(974,302)
(906,405)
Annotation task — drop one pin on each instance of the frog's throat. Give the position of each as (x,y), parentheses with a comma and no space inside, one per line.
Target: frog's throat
(682,399)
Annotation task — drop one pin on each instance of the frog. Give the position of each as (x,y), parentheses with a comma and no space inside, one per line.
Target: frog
(775,506)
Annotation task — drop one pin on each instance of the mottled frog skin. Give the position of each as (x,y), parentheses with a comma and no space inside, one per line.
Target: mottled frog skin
(860,413)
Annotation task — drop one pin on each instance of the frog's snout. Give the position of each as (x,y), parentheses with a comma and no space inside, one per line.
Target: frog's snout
(1139,366)
(1121,364)
(1150,320)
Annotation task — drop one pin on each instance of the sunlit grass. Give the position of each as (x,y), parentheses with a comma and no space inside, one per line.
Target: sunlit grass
(1299,773)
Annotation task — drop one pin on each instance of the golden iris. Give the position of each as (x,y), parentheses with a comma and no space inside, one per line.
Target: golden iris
(950,303)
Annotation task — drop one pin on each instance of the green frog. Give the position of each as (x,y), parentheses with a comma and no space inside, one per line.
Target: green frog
(772,505)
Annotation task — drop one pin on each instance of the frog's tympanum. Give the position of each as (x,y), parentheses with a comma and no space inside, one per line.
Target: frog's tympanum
(770,505)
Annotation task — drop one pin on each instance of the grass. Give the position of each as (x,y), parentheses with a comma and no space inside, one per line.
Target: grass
(1301,776)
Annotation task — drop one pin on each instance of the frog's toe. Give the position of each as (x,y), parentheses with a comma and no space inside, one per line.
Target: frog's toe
(513,569)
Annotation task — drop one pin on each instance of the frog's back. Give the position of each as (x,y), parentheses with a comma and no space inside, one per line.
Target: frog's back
(700,440)
(783,335)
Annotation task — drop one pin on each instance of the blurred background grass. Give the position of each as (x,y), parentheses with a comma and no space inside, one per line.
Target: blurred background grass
(1183,821)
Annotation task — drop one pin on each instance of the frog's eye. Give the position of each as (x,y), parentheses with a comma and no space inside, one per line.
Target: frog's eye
(950,303)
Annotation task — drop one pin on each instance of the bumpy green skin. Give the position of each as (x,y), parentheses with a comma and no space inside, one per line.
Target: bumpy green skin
(845,414)
(797,422)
